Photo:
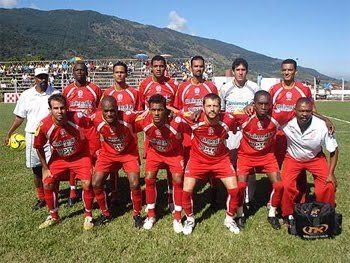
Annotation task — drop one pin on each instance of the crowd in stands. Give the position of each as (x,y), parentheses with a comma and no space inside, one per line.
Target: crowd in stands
(20,74)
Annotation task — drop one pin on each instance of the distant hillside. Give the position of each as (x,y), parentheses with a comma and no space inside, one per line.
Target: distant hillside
(54,34)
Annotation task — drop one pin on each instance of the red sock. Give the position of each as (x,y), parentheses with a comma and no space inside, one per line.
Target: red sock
(136,198)
(88,197)
(151,196)
(40,192)
(72,183)
(177,194)
(241,192)
(232,201)
(187,203)
(51,202)
(276,195)
(100,195)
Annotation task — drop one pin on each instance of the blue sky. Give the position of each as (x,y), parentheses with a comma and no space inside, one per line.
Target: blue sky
(315,32)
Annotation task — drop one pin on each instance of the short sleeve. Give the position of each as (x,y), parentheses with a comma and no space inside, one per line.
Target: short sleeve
(40,137)
(329,142)
(20,109)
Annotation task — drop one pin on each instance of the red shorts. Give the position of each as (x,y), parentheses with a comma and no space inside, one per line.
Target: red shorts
(109,163)
(59,169)
(256,164)
(156,161)
(199,170)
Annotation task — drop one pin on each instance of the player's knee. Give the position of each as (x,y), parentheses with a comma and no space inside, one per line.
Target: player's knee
(85,184)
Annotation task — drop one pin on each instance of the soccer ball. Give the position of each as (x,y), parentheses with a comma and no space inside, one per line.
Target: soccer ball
(17,141)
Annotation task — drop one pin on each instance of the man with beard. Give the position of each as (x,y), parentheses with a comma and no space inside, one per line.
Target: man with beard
(209,156)
(64,132)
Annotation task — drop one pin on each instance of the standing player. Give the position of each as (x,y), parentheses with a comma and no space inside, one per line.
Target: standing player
(284,97)
(209,155)
(256,153)
(126,96)
(165,148)
(158,83)
(127,99)
(306,135)
(236,95)
(32,105)
(119,150)
(65,134)
(83,96)
(189,98)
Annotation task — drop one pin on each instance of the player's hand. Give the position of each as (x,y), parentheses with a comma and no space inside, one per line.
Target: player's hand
(249,110)
(46,173)
(7,140)
(331,179)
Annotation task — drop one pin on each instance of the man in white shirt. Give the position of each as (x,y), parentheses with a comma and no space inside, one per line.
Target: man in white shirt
(33,106)
(235,95)
(306,136)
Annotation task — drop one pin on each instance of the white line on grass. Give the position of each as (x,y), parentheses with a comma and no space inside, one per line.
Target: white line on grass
(348,122)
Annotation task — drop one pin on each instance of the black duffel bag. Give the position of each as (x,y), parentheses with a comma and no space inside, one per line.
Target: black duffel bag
(316,220)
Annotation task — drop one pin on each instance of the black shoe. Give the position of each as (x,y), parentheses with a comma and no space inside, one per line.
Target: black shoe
(138,222)
(274,222)
(240,221)
(39,204)
(102,220)
(72,201)
(292,230)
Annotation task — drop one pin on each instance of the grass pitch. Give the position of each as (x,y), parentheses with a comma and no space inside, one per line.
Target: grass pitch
(119,241)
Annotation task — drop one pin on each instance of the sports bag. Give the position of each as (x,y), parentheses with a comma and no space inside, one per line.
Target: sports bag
(316,220)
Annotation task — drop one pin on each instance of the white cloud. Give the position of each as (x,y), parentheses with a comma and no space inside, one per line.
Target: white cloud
(8,3)
(177,22)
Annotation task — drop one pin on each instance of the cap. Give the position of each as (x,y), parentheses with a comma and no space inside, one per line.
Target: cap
(39,71)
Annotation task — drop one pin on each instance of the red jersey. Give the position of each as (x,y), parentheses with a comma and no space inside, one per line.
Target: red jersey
(117,139)
(127,99)
(149,87)
(68,140)
(284,99)
(167,139)
(189,97)
(209,141)
(259,136)
(84,99)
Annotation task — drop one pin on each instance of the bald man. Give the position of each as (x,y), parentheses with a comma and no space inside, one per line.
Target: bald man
(118,150)
(307,135)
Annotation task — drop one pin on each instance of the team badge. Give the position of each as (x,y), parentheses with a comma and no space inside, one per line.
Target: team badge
(63,132)
(210,131)
(196,91)
(158,88)
(120,97)
(289,95)
(157,132)
(80,94)
(259,125)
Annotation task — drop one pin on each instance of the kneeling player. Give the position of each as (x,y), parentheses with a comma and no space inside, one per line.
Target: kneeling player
(209,155)
(164,148)
(256,153)
(63,131)
(119,150)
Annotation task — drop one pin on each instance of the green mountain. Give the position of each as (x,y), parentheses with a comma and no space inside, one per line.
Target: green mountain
(59,33)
